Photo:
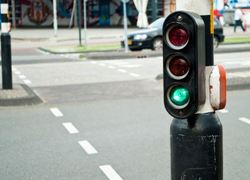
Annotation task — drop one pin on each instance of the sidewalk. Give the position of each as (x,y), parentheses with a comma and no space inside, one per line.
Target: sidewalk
(65,36)
(70,37)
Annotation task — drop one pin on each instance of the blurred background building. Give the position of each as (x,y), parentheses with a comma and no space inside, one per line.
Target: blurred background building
(100,13)
(106,13)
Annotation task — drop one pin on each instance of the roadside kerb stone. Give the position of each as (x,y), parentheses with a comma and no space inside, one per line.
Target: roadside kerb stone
(148,53)
(20,95)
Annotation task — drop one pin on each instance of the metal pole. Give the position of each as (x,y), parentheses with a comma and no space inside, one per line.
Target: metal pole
(13,13)
(125,26)
(79,21)
(6,47)
(197,142)
(85,22)
(154,8)
(55,17)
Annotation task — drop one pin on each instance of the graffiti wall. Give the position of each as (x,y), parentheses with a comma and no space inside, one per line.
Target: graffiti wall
(99,12)
(36,12)
(40,12)
(110,13)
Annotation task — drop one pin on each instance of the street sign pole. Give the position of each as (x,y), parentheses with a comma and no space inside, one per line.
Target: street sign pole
(125,25)
(55,17)
(196,139)
(79,24)
(85,22)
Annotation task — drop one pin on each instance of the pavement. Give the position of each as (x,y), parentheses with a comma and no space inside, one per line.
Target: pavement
(37,38)
(69,37)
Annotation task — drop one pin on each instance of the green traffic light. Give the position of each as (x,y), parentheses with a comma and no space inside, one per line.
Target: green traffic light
(179,95)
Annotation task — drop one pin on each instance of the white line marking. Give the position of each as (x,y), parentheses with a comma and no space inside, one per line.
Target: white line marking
(88,147)
(131,66)
(93,62)
(245,63)
(111,67)
(110,172)
(17,72)
(26,81)
(56,112)
(70,128)
(245,120)
(134,74)
(22,76)
(101,64)
(122,70)
(223,111)
(14,69)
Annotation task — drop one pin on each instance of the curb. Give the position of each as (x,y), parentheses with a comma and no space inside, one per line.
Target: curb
(76,52)
(120,54)
(143,54)
(18,100)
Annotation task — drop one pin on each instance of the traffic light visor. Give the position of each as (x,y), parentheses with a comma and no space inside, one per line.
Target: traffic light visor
(177,37)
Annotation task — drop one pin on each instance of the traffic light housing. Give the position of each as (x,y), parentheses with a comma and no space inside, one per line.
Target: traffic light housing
(183,63)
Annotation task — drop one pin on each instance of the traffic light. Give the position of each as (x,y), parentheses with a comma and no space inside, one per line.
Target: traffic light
(183,63)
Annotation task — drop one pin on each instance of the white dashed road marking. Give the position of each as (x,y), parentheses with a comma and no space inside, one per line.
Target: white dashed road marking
(238,74)
(70,128)
(245,120)
(102,64)
(223,111)
(88,148)
(22,76)
(17,72)
(110,172)
(111,67)
(56,112)
(26,81)
(134,74)
(122,70)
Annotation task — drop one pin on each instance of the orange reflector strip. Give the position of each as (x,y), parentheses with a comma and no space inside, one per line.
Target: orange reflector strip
(212,16)
(223,87)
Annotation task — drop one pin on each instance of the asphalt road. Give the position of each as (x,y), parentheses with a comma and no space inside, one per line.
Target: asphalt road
(106,120)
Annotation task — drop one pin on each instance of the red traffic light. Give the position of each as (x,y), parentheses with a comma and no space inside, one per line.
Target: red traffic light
(178,67)
(177,37)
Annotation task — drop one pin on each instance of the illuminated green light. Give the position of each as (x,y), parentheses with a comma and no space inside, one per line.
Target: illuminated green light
(179,95)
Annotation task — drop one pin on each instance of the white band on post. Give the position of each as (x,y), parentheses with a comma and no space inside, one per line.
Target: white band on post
(199,7)
(5,27)
(4,8)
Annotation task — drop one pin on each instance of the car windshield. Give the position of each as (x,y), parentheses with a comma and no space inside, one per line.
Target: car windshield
(157,24)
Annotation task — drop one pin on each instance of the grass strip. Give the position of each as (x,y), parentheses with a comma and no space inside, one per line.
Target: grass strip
(236,40)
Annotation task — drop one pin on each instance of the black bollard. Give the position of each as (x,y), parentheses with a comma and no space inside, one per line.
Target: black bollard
(6,61)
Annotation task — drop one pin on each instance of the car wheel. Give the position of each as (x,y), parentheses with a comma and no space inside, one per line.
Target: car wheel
(216,42)
(157,43)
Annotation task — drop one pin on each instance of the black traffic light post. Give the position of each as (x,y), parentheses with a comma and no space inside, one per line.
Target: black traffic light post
(196,138)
